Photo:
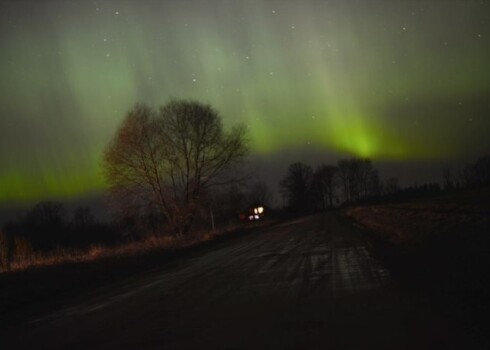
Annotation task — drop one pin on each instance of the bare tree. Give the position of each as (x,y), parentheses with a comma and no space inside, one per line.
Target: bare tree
(259,193)
(448,178)
(227,201)
(46,215)
(365,175)
(345,178)
(82,218)
(355,175)
(478,174)
(166,159)
(392,186)
(324,184)
(375,185)
(295,186)
(44,225)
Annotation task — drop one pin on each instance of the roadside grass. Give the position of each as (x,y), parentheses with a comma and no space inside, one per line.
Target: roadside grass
(20,255)
(47,282)
(439,247)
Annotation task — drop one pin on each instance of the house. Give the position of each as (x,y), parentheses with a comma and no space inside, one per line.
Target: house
(253,212)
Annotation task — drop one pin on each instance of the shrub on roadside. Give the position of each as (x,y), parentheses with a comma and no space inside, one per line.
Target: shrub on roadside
(5,252)
(23,252)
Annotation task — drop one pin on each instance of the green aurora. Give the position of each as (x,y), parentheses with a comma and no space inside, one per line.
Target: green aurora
(390,80)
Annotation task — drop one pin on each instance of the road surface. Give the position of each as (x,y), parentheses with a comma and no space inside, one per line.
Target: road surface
(308,283)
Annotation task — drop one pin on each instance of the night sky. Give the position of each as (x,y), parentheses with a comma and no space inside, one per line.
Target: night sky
(397,81)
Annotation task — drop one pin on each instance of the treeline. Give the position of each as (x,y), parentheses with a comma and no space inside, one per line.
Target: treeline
(48,226)
(473,175)
(355,180)
(351,180)
(48,230)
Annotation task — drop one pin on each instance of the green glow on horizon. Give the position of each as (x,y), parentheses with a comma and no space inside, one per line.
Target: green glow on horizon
(386,80)
(21,188)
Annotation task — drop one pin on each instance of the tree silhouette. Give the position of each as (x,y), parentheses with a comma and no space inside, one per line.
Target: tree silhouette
(323,185)
(375,185)
(166,159)
(356,175)
(82,218)
(478,173)
(46,216)
(448,179)
(259,193)
(44,224)
(392,186)
(295,186)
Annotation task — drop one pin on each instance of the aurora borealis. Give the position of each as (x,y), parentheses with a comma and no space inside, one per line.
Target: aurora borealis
(390,80)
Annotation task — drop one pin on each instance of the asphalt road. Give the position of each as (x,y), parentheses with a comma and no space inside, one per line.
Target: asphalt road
(308,283)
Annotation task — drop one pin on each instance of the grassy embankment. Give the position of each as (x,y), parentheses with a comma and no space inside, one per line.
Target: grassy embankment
(23,257)
(42,282)
(439,246)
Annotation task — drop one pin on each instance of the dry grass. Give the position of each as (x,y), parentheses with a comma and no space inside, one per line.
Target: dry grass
(21,256)
(4,253)
(24,258)
(417,221)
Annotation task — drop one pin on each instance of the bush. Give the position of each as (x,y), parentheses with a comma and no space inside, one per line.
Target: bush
(5,252)
(23,252)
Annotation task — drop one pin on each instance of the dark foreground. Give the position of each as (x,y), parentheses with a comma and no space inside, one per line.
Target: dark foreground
(309,283)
